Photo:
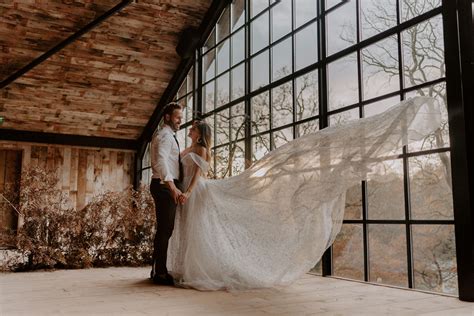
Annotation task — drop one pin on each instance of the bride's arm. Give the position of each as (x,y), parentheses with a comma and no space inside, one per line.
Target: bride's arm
(197,173)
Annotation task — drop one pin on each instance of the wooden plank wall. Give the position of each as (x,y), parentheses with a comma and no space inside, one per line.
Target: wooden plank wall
(83,172)
(10,161)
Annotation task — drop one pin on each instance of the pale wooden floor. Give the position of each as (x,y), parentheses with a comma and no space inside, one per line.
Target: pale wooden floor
(127,291)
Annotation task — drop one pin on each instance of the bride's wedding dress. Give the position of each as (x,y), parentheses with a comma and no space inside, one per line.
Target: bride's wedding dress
(271,224)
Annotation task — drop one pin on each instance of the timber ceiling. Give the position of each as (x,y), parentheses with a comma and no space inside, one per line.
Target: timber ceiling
(108,82)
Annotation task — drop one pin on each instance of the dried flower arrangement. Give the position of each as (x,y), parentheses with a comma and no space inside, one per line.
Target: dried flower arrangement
(114,229)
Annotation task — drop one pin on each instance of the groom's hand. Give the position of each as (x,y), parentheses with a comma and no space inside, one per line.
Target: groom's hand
(175,192)
(183,198)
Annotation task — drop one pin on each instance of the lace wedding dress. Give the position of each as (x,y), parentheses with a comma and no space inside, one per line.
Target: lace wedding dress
(271,224)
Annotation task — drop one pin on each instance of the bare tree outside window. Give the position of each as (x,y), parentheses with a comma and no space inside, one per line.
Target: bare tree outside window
(430,178)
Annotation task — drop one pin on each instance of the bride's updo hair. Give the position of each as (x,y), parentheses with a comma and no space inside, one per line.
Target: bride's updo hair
(205,139)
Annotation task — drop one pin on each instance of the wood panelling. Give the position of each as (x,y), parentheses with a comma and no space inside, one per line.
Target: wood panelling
(10,163)
(108,82)
(82,172)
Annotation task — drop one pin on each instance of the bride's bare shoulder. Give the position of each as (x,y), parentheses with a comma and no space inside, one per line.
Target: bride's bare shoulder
(185,151)
(201,151)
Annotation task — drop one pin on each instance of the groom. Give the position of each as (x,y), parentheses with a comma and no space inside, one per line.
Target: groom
(165,188)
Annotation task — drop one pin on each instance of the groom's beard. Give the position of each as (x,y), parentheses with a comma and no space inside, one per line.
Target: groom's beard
(174,127)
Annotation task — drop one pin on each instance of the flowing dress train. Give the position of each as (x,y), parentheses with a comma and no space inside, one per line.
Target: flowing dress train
(271,224)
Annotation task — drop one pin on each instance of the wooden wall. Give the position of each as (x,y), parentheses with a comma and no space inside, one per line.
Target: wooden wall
(10,163)
(83,172)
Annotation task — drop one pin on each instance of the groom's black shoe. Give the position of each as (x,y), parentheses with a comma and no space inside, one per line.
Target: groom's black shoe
(163,279)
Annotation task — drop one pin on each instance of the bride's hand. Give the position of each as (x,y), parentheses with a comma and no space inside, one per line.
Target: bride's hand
(184,197)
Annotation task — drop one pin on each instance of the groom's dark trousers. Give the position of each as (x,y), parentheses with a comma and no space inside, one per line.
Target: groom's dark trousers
(165,215)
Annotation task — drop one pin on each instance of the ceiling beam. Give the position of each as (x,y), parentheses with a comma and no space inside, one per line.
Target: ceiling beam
(64,43)
(65,139)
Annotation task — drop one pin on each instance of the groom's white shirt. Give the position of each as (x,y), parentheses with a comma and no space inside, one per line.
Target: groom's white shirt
(164,155)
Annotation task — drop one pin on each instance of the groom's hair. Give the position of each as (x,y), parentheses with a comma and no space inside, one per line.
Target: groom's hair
(170,107)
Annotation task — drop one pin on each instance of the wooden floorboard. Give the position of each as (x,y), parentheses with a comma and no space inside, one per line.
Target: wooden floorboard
(127,291)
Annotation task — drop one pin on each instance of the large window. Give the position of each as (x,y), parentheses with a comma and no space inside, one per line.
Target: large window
(390,54)
(253,97)
(271,71)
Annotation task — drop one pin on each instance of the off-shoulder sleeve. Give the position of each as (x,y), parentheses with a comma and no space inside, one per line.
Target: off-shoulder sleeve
(200,162)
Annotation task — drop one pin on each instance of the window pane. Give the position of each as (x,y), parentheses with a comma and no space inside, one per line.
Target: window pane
(378,107)
(434,258)
(282,137)
(307,102)
(260,70)
(211,41)
(188,109)
(237,121)
(386,199)
(237,151)
(306,128)
(344,117)
(353,209)
(348,252)
(182,90)
(341,27)
(332,3)
(223,56)
(260,146)
(377,16)
(413,8)
(223,26)
(208,96)
(238,82)
(222,127)
(388,254)
(238,14)
(222,162)
(440,138)
(222,94)
(257,6)
(238,47)
(190,80)
(281,19)
(305,11)
(306,46)
(260,113)
(343,84)
(430,186)
(423,52)
(259,29)
(209,65)
(182,103)
(282,105)
(380,70)
(281,59)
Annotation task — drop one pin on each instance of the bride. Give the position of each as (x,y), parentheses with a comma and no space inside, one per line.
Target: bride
(271,224)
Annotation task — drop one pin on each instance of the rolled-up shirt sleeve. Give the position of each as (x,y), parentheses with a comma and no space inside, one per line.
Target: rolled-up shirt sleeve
(160,154)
